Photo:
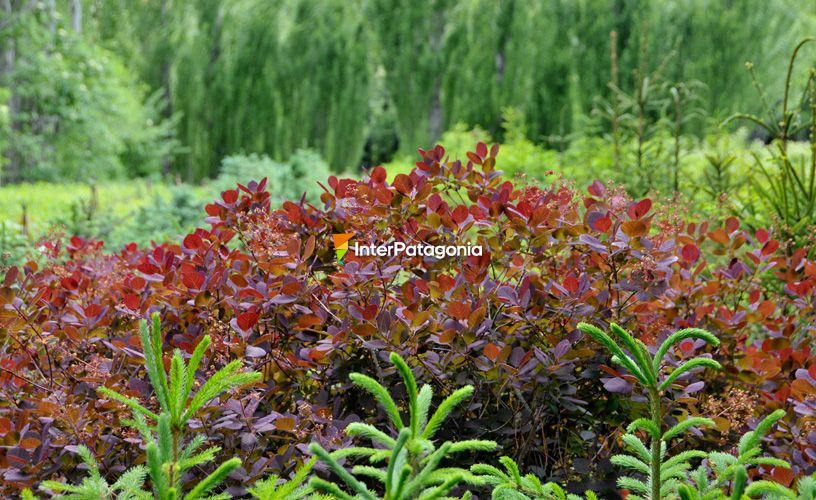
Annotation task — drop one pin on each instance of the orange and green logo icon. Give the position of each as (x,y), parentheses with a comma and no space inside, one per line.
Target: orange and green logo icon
(341,243)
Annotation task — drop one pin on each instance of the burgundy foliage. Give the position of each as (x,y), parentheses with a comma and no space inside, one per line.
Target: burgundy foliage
(265,283)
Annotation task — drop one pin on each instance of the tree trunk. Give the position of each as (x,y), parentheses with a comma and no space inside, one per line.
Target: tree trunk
(165,78)
(215,54)
(7,65)
(52,22)
(76,16)
(436,37)
(435,114)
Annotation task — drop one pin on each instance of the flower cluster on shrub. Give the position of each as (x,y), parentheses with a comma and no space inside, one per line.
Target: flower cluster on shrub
(264,282)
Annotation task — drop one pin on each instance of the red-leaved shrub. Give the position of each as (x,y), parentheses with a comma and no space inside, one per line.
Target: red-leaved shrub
(266,284)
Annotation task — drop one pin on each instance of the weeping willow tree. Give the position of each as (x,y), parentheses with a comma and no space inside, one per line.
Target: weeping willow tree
(256,76)
(546,59)
(713,40)
(251,76)
(295,74)
(412,49)
(550,59)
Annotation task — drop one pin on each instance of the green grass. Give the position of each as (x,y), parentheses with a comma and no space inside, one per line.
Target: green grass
(45,202)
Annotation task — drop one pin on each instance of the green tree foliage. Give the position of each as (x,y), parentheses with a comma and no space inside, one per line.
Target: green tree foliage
(786,184)
(74,109)
(252,76)
(96,487)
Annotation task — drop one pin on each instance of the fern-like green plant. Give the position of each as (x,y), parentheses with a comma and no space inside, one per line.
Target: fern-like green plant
(406,465)
(168,457)
(95,487)
(710,482)
(272,488)
(740,489)
(511,485)
(665,476)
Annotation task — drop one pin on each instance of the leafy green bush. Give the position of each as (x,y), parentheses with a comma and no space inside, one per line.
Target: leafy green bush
(287,181)
(14,245)
(84,114)
(163,219)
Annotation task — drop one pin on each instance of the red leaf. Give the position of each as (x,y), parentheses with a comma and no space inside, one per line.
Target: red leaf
(690,252)
(30,443)
(378,174)
(230,196)
(770,247)
(766,308)
(640,209)
(783,476)
(460,214)
(69,283)
(435,202)
(732,224)
(403,184)
(599,221)
(191,278)
(11,275)
(248,319)
(719,235)
(597,189)
(459,310)
(192,242)
(92,310)
(571,284)
(481,149)
(492,351)
(5,426)
(762,235)
(131,301)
